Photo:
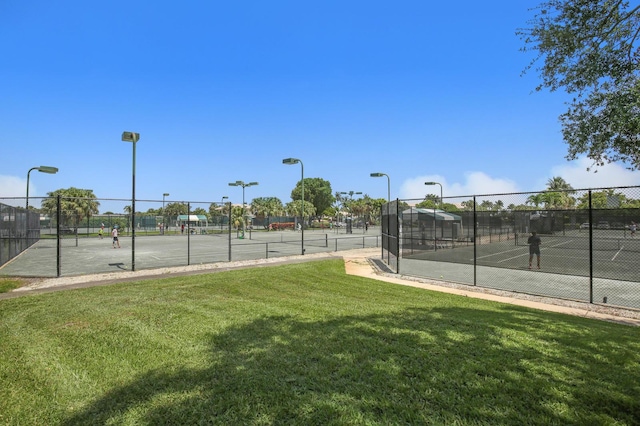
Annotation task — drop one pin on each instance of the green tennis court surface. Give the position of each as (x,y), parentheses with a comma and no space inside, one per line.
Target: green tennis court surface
(612,258)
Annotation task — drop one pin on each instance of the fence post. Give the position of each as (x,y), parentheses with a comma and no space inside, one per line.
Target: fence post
(229,230)
(475,240)
(58,242)
(188,235)
(590,249)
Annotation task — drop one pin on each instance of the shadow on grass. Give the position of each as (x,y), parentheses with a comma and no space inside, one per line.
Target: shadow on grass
(415,366)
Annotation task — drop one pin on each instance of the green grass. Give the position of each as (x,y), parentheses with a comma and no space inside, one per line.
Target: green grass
(8,284)
(306,344)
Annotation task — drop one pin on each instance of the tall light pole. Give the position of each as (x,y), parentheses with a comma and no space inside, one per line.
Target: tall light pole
(164,221)
(388,184)
(350,194)
(222,208)
(296,161)
(43,169)
(243,185)
(132,137)
(437,183)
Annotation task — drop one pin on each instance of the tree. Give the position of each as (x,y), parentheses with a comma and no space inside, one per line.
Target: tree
(535,200)
(560,194)
(557,183)
(375,208)
(317,191)
(486,205)
(602,199)
(294,208)
(265,207)
(589,48)
(173,210)
(468,205)
(431,201)
(75,204)
(237,217)
(199,211)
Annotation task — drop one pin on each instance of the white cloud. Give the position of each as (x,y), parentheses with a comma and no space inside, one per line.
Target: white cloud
(11,186)
(475,183)
(576,174)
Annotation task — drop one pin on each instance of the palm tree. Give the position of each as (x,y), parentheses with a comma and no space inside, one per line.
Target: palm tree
(557,183)
(266,207)
(535,200)
(75,204)
(237,217)
(294,208)
(564,199)
(486,205)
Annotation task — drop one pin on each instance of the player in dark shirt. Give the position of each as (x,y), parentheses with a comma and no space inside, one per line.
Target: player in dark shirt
(534,242)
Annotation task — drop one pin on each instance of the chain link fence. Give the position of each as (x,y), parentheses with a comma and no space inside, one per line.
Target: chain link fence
(19,230)
(588,251)
(67,236)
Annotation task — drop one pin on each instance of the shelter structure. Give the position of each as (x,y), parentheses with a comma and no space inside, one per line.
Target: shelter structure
(431,224)
(192,220)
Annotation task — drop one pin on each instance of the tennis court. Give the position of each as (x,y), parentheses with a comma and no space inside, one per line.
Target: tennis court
(566,267)
(613,258)
(83,255)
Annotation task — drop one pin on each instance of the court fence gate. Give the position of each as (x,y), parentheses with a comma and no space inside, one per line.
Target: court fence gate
(589,249)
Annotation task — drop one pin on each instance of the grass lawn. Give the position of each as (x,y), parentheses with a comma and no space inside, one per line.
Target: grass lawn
(8,284)
(306,344)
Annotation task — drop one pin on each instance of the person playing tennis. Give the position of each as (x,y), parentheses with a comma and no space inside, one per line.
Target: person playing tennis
(534,242)
(114,234)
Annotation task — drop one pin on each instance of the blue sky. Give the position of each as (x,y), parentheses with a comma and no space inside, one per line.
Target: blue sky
(223,91)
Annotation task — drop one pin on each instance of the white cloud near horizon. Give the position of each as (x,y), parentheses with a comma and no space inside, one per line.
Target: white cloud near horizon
(475,183)
(609,175)
(12,186)
(576,173)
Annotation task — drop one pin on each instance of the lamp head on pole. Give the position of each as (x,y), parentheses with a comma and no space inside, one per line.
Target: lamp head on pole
(166,194)
(377,174)
(47,169)
(130,137)
(290,161)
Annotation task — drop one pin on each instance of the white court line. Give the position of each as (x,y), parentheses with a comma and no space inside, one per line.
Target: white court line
(496,254)
(612,259)
(617,253)
(514,257)
(558,245)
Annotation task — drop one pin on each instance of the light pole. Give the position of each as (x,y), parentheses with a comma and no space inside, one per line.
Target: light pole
(43,169)
(290,161)
(243,185)
(132,137)
(388,184)
(222,209)
(164,221)
(350,194)
(437,183)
